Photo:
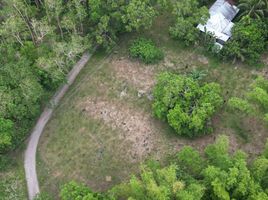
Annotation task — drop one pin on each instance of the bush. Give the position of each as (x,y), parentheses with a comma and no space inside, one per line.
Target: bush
(248,41)
(255,102)
(146,51)
(186,105)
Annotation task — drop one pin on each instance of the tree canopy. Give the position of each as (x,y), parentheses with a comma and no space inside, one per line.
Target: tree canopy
(185,104)
(189,176)
(41,40)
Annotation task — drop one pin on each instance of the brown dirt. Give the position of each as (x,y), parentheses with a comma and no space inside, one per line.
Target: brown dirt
(143,131)
(135,126)
(258,140)
(137,74)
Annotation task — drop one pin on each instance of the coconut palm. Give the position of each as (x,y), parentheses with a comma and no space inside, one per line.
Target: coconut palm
(253,8)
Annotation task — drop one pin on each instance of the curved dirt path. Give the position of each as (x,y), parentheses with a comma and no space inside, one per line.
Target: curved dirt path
(30,154)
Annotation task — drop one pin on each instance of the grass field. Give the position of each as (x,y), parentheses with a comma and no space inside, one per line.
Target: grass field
(104,128)
(12,181)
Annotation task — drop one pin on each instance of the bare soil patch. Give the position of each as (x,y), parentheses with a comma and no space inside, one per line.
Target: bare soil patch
(135,73)
(135,126)
(146,134)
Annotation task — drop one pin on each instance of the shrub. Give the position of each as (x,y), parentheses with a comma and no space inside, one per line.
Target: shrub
(146,51)
(248,41)
(240,104)
(186,105)
(255,102)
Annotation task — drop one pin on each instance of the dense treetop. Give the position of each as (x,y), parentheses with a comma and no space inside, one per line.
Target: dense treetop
(190,176)
(185,104)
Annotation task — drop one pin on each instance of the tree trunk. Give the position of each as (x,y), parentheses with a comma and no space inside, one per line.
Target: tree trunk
(59,25)
(27,22)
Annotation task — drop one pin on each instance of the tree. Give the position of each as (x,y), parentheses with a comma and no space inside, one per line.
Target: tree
(190,161)
(53,11)
(186,105)
(188,13)
(255,100)
(253,8)
(41,40)
(228,176)
(248,41)
(24,11)
(6,134)
(138,14)
(160,184)
(221,176)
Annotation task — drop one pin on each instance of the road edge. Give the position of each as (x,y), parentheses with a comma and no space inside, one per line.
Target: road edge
(30,153)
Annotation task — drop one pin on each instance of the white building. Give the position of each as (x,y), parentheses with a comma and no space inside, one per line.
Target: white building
(220,23)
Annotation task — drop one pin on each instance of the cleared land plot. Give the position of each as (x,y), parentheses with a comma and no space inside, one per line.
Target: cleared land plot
(104,128)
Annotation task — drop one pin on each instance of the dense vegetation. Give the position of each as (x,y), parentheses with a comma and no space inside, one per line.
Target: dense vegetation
(185,104)
(42,39)
(249,35)
(255,102)
(146,51)
(248,41)
(188,13)
(190,176)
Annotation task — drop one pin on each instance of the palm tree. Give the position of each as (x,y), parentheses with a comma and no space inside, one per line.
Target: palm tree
(254,8)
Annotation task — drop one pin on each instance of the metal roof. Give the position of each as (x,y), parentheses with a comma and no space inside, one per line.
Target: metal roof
(220,22)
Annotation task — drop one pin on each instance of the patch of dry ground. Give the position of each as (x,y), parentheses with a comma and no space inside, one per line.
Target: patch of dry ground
(146,134)
(139,75)
(135,126)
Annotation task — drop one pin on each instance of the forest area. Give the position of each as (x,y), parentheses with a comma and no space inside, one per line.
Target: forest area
(42,39)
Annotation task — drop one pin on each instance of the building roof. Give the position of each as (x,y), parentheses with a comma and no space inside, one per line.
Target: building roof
(220,22)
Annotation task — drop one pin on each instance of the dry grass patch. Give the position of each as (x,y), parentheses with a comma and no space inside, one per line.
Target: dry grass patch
(139,75)
(133,124)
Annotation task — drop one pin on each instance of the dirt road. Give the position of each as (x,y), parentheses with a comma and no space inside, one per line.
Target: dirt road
(30,154)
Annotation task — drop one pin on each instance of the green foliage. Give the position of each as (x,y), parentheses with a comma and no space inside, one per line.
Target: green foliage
(217,154)
(248,41)
(5,162)
(188,13)
(228,176)
(161,184)
(252,8)
(75,191)
(190,161)
(6,134)
(255,101)
(138,14)
(41,40)
(43,196)
(198,74)
(146,51)
(217,175)
(240,104)
(186,105)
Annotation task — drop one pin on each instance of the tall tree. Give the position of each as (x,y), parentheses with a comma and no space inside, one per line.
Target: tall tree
(253,8)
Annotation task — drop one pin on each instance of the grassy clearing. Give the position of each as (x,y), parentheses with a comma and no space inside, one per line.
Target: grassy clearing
(12,179)
(104,129)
